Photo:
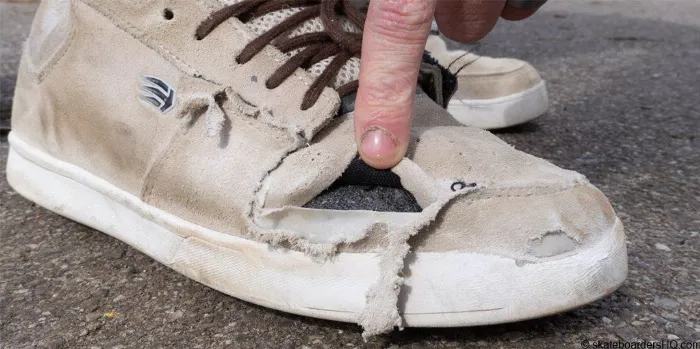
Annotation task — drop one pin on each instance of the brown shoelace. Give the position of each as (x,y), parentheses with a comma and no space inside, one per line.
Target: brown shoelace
(315,47)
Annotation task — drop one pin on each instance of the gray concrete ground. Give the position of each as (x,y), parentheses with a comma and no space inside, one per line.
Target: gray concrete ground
(624,78)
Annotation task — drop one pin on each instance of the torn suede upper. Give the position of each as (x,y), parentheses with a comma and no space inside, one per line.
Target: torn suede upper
(252,158)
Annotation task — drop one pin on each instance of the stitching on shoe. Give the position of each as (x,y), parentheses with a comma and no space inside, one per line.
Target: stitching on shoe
(493,193)
(457,59)
(153,173)
(494,76)
(179,63)
(465,64)
(123,25)
(43,72)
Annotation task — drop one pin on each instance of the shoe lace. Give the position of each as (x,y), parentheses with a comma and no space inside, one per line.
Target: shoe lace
(313,47)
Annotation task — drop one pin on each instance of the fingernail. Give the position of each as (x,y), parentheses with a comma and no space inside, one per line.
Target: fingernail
(378,144)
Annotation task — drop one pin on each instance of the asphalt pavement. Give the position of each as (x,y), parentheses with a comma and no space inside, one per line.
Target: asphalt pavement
(624,82)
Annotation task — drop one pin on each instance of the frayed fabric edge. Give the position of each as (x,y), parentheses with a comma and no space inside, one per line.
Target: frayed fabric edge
(381,314)
(319,252)
(286,238)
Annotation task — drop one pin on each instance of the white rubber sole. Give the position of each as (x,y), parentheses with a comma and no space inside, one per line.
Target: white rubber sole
(443,289)
(501,112)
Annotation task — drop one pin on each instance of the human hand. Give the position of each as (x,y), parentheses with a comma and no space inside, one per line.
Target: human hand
(394,38)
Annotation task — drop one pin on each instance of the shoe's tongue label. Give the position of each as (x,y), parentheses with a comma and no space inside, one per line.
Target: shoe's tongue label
(259,25)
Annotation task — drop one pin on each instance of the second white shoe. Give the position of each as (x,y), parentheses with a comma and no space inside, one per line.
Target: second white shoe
(492,92)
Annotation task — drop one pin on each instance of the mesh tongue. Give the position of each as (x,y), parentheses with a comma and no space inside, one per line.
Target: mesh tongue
(349,72)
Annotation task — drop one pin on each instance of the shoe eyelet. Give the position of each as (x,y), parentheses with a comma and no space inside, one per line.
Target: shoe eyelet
(168,14)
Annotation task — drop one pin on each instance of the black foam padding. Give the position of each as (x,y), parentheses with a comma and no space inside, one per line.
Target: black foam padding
(362,187)
(364,197)
(359,173)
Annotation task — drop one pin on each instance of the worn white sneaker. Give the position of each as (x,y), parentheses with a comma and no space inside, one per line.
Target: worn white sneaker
(178,128)
(492,92)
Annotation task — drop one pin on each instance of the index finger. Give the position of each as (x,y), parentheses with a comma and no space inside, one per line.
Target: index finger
(393,42)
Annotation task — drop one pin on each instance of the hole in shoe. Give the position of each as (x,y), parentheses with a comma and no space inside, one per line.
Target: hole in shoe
(365,197)
(362,187)
(360,198)
(551,244)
